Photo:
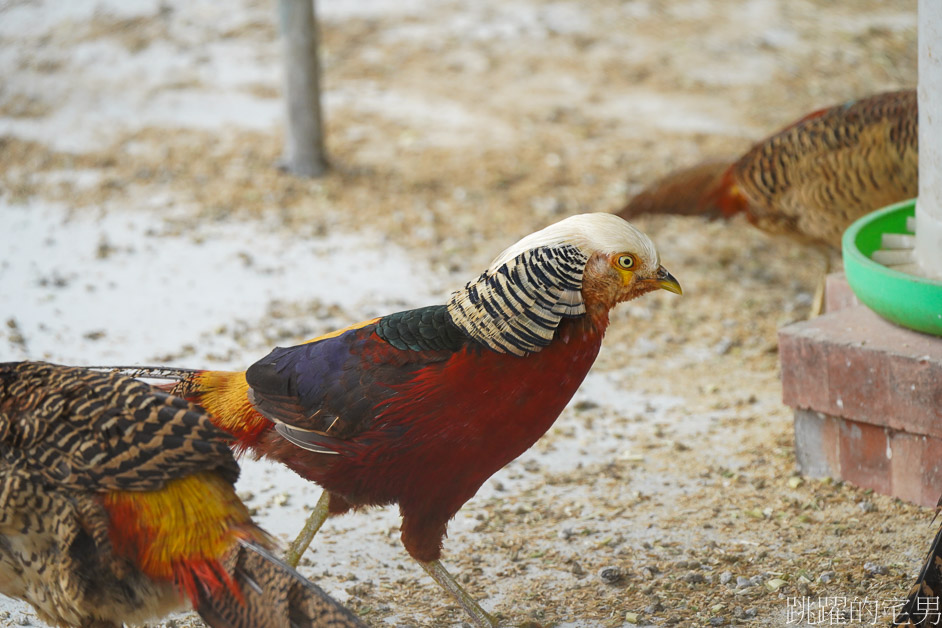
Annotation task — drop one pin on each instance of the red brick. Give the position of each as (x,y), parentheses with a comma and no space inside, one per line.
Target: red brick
(931,471)
(863,449)
(858,384)
(837,293)
(907,467)
(857,453)
(804,370)
(855,365)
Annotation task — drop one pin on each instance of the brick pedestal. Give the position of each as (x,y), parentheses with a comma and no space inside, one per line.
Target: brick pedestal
(868,400)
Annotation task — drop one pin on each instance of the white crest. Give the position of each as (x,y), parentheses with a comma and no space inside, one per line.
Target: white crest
(590,233)
(516,305)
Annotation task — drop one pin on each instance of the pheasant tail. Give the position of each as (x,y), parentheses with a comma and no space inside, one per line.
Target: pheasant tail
(922,605)
(697,190)
(269,594)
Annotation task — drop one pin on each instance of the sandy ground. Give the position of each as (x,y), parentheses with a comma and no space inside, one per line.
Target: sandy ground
(142,219)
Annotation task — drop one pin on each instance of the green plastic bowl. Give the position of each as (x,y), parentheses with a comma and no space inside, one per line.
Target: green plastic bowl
(907,300)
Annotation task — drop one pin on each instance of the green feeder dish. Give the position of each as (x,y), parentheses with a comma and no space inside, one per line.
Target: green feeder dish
(907,300)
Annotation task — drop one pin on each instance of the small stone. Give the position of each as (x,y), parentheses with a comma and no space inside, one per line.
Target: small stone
(723,346)
(565,534)
(757,580)
(826,577)
(795,481)
(875,569)
(631,618)
(743,583)
(751,612)
(725,577)
(647,573)
(611,575)
(694,577)
(716,608)
(717,621)
(867,506)
(653,608)
(577,569)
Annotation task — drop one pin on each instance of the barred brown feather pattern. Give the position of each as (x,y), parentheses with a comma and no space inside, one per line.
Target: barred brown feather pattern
(274,595)
(516,307)
(71,440)
(817,176)
(96,431)
(922,607)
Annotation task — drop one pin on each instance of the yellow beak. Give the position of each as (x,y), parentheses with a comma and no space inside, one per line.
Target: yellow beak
(667,281)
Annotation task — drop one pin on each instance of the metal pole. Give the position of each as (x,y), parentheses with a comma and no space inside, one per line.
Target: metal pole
(929,204)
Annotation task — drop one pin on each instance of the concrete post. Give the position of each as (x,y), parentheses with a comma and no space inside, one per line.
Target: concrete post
(929,204)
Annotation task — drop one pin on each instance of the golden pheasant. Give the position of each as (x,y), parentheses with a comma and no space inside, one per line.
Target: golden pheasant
(117,506)
(420,407)
(810,180)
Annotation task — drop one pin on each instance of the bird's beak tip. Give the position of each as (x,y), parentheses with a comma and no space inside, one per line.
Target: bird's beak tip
(667,281)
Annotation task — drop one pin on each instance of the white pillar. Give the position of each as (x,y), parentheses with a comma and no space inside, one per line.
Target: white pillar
(929,205)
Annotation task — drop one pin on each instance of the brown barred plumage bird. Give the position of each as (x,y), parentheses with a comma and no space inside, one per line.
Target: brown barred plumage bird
(810,180)
(922,607)
(117,506)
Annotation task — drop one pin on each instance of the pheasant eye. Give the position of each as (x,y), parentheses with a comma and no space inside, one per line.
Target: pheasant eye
(626,261)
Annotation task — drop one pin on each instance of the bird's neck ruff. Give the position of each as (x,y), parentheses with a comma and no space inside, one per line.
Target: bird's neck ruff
(516,307)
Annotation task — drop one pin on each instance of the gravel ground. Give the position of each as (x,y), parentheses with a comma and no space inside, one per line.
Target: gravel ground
(146,221)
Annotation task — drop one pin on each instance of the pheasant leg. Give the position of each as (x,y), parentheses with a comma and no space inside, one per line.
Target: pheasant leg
(439,574)
(311,526)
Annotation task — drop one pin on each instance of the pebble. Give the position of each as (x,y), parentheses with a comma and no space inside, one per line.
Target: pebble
(577,569)
(611,575)
(723,346)
(725,577)
(694,577)
(878,570)
(717,621)
(867,506)
(565,534)
(826,577)
(653,608)
(743,583)
(631,618)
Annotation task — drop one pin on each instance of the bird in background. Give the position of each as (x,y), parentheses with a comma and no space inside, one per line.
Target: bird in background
(922,607)
(420,407)
(810,180)
(117,506)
